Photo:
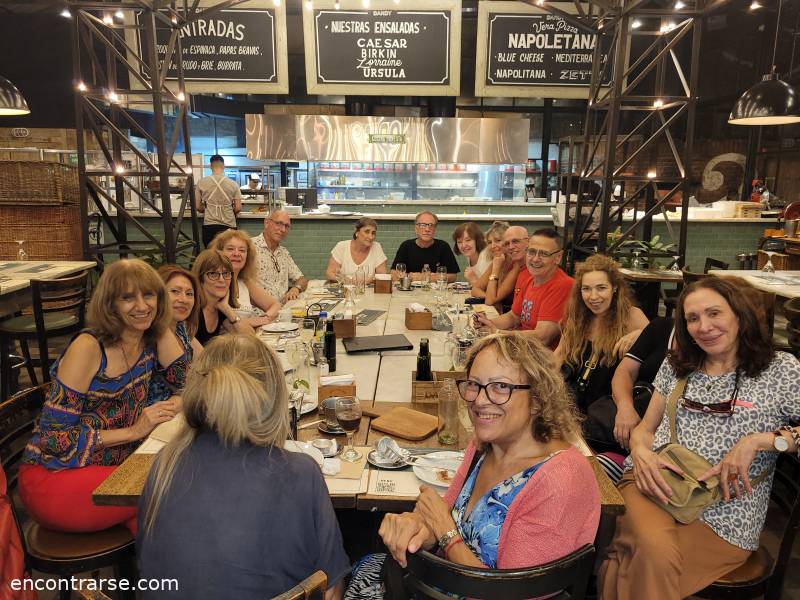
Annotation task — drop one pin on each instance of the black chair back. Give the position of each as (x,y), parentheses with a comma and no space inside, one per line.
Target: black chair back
(785,496)
(713,263)
(428,576)
(690,277)
(17,418)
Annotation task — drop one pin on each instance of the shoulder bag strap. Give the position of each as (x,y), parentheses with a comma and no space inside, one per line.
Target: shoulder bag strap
(672,408)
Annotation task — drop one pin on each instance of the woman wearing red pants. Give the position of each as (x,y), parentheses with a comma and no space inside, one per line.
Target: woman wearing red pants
(100,407)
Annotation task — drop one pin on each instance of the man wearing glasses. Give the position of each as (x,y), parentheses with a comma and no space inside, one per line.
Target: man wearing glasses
(425,249)
(539,305)
(277,272)
(219,200)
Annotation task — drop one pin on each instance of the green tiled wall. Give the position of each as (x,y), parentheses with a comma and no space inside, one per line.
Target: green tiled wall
(497,208)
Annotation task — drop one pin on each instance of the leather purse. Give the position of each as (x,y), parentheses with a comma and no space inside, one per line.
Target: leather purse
(690,497)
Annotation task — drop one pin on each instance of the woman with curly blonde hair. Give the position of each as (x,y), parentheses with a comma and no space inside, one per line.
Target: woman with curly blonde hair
(523,495)
(600,325)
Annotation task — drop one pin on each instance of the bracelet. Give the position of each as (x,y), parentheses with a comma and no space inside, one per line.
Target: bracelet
(456,540)
(100,444)
(795,437)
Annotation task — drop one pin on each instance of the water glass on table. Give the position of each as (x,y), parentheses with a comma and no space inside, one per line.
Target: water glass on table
(348,414)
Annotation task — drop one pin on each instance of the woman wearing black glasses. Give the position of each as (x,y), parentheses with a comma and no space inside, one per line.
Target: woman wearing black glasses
(738,398)
(523,495)
(218,297)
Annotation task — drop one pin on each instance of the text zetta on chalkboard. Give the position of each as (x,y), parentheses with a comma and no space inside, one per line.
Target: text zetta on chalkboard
(383,46)
(538,49)
(231,45)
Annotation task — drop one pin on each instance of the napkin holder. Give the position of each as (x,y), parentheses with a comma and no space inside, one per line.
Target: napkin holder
(427,392)
(344,328)
(383,286)
(419,320)
(326,391)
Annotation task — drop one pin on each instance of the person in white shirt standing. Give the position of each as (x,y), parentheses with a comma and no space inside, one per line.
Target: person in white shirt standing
(219,200)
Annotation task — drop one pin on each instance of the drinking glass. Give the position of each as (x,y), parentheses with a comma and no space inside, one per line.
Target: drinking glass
(768,266)
(348,414)
(676,268)
(441,275)
(361,281)
(401,270)
(636,265)
(295,353)
(21,254)
(307,327)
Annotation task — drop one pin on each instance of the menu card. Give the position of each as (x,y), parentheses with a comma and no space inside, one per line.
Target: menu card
(348,486)
(403,484)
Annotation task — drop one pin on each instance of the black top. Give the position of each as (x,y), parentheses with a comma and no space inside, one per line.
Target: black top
(246,522)
(203,335)
(415,257)
(651,348)
(597,381)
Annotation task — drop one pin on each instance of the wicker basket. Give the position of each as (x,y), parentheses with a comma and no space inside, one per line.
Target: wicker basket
(50,232)
(38,183)
(748,210)
(781,261)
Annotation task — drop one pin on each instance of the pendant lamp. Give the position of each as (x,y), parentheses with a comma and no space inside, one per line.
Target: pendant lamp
(11,100)
(770,101)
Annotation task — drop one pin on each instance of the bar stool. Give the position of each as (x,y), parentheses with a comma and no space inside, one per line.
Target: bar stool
(59,306)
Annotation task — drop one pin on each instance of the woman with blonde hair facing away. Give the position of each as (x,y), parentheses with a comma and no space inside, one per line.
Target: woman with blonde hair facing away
(100,405)
(362,251)
(219,299)
(500,266)
(523,495)
(226,511)
(256,306)
(468,240)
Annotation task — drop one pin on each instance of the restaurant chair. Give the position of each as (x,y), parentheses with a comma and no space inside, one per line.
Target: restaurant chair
(55,552)
(428,576)
(311,588)
(761,574)
(58,308)
(713,263)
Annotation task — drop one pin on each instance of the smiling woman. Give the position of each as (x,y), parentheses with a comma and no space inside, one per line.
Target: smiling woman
(102,402)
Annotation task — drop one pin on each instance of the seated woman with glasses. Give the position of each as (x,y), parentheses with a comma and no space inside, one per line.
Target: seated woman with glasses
(256,306)
(735,397)
(218,297)
(226,510)
(523,494)
(362,251)
(600,325)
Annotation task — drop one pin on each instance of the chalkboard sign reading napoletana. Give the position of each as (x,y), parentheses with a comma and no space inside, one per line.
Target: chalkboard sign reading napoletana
(538,49)
(382,47)
(230,45)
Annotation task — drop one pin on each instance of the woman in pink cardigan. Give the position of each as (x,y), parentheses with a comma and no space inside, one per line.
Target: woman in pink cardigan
(523,495)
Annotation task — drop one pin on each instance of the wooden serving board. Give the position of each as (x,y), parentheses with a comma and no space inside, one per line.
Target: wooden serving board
(406,423)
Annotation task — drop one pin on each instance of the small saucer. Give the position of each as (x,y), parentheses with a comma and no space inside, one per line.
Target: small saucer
(323,427)
(372,458)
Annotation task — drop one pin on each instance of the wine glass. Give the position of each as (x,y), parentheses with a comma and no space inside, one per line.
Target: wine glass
(307,329)
(348,414)
(636,265)
(675,268)
(295,352)
(21,254)
(401,270)
(768,266)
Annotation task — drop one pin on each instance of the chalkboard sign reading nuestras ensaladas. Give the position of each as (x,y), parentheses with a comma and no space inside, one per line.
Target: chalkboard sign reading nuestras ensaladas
(538,49)
(394,47)
(230,45)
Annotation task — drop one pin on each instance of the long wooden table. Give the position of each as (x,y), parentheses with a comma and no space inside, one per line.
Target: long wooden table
(383,382)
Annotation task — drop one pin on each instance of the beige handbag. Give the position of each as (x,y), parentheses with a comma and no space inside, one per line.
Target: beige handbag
(689,497)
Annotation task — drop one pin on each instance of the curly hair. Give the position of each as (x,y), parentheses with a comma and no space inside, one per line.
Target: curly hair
(754,350)
(578,319)
(553,414)
(248,272)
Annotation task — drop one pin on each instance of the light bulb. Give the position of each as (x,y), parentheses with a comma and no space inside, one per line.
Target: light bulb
(336,5)
(181,97)
(755,5)
(108,20)
(309,5)
(636,24)
(119,14)
(539,2)
(119,170)
(651,174)
(276,2)
(113,97)
(66,14)
(658,103)
(81,86)
(365,3)
(679,5)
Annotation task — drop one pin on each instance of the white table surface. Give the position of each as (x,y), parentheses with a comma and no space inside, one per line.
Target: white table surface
(759,279)
(16,275)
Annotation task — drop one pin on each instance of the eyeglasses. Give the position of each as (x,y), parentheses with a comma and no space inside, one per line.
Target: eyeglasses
(216,275)
(536,252)
(515,242)
(281,224)
(717,409)
(426,225)
(498,392)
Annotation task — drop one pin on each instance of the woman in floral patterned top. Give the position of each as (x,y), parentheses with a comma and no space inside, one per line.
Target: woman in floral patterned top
(739,395)
(100,405)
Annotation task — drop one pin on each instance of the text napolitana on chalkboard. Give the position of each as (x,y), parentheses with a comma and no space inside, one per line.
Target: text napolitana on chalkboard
(538,49)
(230,45)
(382,47)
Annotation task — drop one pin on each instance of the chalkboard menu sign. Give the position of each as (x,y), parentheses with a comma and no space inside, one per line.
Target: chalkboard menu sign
(530,52)
(235,50)
(382,51)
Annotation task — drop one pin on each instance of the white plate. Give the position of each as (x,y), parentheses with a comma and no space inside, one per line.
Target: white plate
(280,327)
(309,404)
(304,448)
(431,475)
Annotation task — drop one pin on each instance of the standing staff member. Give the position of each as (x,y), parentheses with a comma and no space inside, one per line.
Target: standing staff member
(219,199)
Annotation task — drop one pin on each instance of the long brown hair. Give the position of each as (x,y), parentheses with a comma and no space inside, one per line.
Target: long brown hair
(167,272)
(578,320)
(210,260)
(754,349)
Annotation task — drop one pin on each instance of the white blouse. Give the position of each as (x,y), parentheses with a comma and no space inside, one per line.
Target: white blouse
(246,307)
(341,254)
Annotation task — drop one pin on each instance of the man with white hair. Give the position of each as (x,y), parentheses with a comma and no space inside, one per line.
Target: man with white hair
(277,272)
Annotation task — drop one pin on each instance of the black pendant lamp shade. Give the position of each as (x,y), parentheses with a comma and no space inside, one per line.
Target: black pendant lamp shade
(769,102)
(11,100)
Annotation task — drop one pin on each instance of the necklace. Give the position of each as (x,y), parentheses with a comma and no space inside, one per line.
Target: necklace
(127,364)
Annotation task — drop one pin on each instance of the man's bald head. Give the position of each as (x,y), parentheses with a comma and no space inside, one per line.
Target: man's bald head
(515,242)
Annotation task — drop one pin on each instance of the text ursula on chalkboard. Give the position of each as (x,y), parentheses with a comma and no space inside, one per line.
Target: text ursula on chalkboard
(383,46)
(231,45)
(538,49)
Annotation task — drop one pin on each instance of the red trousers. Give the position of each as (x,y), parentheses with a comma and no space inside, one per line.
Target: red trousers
(62,500)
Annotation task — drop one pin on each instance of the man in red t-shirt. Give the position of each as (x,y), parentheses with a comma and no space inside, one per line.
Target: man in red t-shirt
(543,291)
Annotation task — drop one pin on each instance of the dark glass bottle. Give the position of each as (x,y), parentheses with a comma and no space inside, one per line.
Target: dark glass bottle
(329,341)
(424,362)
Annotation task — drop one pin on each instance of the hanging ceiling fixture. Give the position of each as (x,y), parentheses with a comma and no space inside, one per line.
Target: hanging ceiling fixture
(770,101)
(12,102)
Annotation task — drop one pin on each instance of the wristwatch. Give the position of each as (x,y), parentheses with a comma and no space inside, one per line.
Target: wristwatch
(235,319)
(780,443)
(447,538)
